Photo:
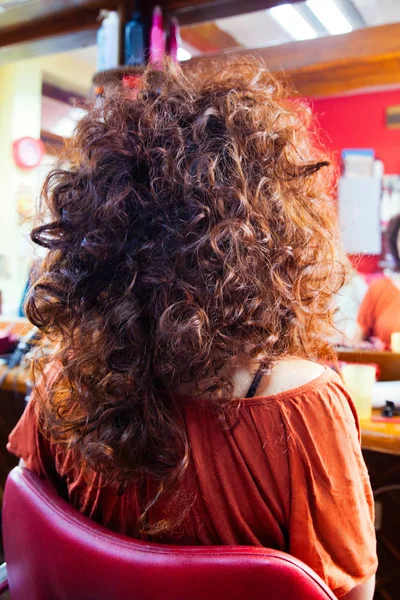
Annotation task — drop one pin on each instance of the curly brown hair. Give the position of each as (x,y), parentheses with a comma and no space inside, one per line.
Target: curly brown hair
(194,226)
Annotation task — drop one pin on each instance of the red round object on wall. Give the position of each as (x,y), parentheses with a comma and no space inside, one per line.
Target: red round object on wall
(28,152)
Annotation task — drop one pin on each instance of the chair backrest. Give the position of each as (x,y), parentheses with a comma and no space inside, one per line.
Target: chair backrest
(55,553)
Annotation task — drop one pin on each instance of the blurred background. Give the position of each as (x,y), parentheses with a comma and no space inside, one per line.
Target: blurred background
(341,56)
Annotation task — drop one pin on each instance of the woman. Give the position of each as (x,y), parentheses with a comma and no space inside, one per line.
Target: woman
(189,280)
(379,314)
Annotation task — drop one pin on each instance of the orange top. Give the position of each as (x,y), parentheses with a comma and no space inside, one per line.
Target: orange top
(285,472)
(379,314)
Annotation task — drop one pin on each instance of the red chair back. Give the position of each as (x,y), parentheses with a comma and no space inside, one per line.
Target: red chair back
(55,553)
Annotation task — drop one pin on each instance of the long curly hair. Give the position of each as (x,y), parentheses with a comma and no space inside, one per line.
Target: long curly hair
(194,226)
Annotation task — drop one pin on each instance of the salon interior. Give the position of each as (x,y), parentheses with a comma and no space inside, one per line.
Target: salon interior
(340,56)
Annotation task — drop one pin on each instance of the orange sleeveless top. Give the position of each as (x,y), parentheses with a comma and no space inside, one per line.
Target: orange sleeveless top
(379,314)
(285,472)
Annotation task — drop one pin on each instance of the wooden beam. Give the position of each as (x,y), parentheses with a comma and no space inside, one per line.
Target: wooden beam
(208,37)
(60,94)
(334,79)
(334,64)
(20,15)
(59,24)
(40,25)
(48,45)
(359,44)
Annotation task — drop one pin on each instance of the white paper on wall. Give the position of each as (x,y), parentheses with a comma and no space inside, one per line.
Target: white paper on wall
(359,214)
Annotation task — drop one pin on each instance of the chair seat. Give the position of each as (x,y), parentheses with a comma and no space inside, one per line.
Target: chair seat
(55,553)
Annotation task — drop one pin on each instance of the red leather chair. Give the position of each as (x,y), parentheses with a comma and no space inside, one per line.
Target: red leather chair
(55,553)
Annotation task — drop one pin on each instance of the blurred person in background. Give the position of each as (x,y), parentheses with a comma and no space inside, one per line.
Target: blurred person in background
(187,291)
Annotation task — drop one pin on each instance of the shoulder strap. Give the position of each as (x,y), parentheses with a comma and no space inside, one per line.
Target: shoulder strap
(255,383)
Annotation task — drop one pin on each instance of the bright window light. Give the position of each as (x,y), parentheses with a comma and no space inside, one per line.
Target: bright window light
(288,17)
(330,16)
(76,113)
(64,128)
(66,125)
(183,54)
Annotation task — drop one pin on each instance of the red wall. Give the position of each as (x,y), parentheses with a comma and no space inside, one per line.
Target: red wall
(358,121)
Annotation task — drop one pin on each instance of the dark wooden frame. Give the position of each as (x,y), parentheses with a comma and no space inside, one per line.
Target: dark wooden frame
(61,95)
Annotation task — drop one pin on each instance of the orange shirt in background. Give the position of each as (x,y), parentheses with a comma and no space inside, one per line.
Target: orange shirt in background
(285,472)
(379,314)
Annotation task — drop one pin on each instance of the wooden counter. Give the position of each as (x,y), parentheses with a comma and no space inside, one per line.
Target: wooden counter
(18,325)
(17,381)
(380,437)
(388,362)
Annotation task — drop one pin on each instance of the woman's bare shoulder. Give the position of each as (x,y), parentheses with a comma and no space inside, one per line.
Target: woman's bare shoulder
(289,374)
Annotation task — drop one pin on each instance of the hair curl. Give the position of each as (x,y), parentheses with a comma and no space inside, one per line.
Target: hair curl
(193,226)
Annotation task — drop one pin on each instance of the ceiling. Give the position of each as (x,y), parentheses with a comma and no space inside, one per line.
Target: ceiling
(379,12)
(259,29)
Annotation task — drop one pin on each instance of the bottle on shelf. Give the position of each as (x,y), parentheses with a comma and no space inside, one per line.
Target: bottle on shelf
(157,39)
(135,41)
(174,39)
(108,42)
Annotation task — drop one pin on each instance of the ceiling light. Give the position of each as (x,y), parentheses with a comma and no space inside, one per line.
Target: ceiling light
(288,17)
(330,16)
(183,54)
